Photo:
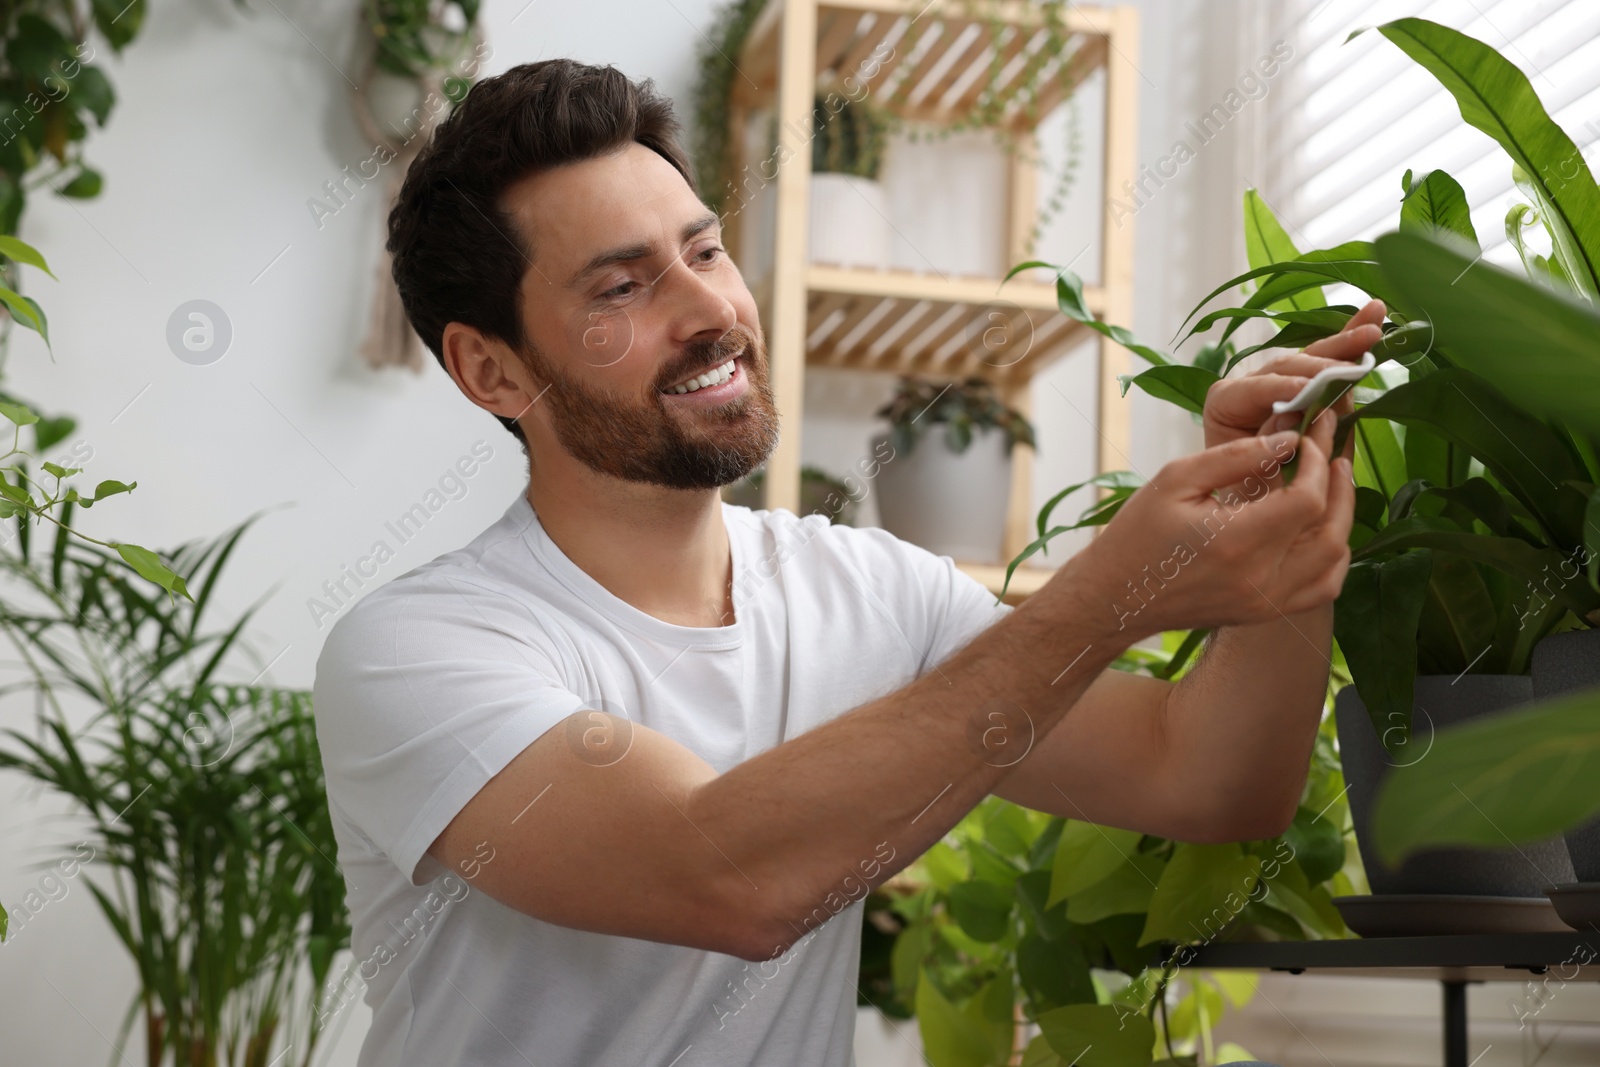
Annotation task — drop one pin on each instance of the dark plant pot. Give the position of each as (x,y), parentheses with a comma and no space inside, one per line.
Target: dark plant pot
(1440,701)
(1561,663)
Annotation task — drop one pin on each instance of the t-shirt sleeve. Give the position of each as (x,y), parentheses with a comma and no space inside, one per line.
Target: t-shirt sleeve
(928,595)
(423,696)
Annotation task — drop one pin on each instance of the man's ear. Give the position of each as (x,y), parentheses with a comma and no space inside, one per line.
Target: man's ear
(488,372)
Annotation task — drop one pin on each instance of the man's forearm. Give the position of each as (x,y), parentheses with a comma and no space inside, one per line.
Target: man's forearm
(1242,722)
(822,818)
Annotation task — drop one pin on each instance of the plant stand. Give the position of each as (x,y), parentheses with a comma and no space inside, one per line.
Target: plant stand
(1453,961)
(905,322)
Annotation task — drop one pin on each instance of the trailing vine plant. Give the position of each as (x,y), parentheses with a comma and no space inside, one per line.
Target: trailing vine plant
(998,106)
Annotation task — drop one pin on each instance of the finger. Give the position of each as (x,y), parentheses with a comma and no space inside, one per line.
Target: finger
(1248,400)
(1322,427)
(1348,344)
(1305,364)
(1228,464)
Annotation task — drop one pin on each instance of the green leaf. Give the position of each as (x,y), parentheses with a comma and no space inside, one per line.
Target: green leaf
(16,249)
(49,432)
(84,185)
(1126,891)
(1265,242)
(1087,853)
(18,413)
(1099,1035)
(1519,776)
(1054,973)
(1497,98)
(1435,202)
(60,471)
(1541,567)
(1176,383)
(1375,622)
(950,1037)
(1352,263)
(1112,480)
(149,566)
(1201,891)
(94,92)
(1317,844)
(25,311)
(1525,456)
(1069,297)
(982,909)
(1540,347)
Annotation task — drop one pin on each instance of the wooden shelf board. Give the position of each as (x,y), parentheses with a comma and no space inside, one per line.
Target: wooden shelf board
(906,323)
(932,63)
(1026,582)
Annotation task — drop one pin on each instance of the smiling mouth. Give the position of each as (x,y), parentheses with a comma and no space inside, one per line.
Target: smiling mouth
(714,376)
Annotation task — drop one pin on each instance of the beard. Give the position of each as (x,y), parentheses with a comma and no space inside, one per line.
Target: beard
(645,441)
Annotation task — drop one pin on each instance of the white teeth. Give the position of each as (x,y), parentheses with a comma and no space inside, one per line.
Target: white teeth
(715,376)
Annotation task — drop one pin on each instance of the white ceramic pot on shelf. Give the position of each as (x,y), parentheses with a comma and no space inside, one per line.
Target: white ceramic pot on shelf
(849,222)
(951,503)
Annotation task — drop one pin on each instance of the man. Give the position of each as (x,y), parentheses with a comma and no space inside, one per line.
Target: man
(610,781)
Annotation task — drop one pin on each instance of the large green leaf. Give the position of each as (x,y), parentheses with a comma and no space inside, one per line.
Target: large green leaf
(1352,263)
(982,909)
(1543,568)
(1099,1035)
(1528,458)
(1087,853)
(951,1037)
(1519,776)
(1201,891)
(1176,383)
(1266,242)
(1126,891)
(1434,203)
(1375,620)
(1540,347)
(1498,99)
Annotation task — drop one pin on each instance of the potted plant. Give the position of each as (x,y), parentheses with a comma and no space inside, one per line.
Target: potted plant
(209,828)
(1025,930)
(849,208)
(948,495)
(1474,450)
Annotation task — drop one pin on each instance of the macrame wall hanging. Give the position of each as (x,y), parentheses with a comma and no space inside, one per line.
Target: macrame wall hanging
(414,75)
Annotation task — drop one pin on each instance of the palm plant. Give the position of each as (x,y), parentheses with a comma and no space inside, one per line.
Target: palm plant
(204,798)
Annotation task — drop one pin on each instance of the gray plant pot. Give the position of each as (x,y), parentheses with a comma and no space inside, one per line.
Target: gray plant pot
(952,504)
(1441,701)
(1561,663)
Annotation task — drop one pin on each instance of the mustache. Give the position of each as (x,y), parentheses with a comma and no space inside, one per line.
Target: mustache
(702,356)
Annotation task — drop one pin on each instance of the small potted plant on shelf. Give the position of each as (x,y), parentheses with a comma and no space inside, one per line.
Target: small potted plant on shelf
(1476,504)
(849,209)
(949,495)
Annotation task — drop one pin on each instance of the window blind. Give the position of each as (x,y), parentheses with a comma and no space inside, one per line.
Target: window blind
(1353,115)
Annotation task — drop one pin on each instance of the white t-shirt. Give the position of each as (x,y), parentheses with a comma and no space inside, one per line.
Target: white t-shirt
(431,684)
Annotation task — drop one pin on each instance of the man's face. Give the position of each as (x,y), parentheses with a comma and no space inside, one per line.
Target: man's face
(629,300)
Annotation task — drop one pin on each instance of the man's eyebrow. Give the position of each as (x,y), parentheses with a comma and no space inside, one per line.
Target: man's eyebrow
(641,250)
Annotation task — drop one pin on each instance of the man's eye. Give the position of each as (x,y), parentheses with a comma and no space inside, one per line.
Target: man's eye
(620,291)
(711,253)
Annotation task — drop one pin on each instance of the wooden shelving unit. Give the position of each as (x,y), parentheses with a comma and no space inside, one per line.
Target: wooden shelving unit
(904,322)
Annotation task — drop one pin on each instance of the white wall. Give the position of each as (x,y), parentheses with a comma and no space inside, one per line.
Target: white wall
(227,123)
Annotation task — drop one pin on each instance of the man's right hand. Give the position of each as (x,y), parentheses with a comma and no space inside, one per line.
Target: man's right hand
(1177,557)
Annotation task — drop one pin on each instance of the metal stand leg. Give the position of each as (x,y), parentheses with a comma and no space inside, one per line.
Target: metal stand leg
(1455,1024)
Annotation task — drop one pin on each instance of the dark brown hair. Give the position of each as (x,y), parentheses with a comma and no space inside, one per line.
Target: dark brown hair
(457,255)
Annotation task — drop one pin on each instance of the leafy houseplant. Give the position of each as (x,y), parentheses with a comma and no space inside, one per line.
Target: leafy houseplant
(951,500)
(849,207)
(204,800)
(1475,438)
(1057,924)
